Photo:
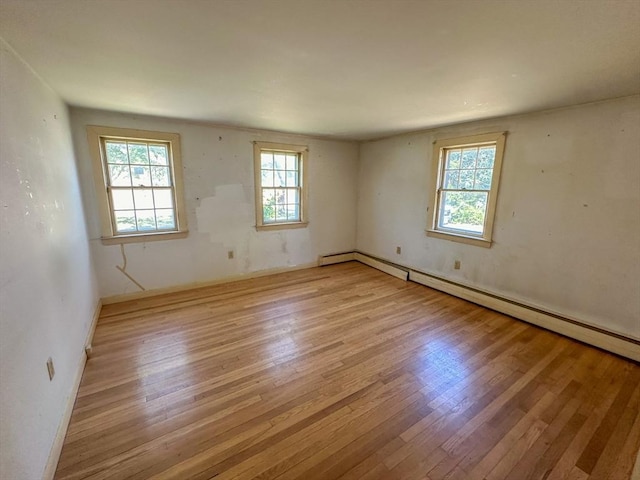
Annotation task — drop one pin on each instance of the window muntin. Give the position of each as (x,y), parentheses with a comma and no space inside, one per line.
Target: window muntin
(138,177)
(280,185)
(466,181)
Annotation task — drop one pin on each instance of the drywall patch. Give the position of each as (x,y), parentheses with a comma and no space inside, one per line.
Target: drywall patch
(226,215)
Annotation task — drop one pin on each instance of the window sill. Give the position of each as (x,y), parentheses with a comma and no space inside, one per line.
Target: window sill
(144,237)
(455,237)
(282,226)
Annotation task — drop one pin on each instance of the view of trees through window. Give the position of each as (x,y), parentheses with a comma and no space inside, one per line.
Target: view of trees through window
(465,186)
(280,181)
(140,186)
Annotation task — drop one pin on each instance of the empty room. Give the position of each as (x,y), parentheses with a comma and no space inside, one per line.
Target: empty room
(320,239)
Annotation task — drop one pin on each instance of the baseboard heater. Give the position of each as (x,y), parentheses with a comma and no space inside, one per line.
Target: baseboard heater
(598,337)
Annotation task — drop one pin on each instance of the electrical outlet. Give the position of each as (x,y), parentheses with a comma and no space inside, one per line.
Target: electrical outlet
(230,255)
(50,369)
(398,250)
(456,265)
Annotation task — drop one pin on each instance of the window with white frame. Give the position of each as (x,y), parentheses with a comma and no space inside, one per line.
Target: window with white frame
(465,185)
(280,178)
(139,184)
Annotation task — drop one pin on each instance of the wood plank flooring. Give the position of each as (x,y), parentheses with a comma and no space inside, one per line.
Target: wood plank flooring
(344,372)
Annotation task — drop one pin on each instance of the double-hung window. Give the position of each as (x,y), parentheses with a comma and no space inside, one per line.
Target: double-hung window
(139,184)
(465,187)
(281,187)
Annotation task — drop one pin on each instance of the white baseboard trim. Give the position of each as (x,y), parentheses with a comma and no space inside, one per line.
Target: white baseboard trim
(94,324)
(335,258)
(190,286)
(58,441)
(395,271)
(584,333)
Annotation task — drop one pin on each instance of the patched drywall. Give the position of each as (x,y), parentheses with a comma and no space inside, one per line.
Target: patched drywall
(48,290)
(567,225)
(219,195)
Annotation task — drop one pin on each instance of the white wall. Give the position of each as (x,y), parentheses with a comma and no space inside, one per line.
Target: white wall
(48,290)
(219,191)
(567,228)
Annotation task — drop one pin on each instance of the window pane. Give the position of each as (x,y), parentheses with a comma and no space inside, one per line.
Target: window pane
(464,211)
(279,178)
(140,176)
(293,195)
(292,179)
(469,158)
(119,175)
(122,199)
(158,155)
(163,198)
(266,160)
(166,220)
(267,178)
(268,204)
(160,176)
(281,196)
(138,153)
(483,179)
(116,152)
(281,213)
(293,213)
(466,179)
(146,220)
(451,179)
(292,162)
(279,162)
(125,221)
(453,159)
(143,198)
(486,156)
(268,214)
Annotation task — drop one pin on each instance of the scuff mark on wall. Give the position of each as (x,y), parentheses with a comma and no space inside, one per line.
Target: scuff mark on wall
(123,268)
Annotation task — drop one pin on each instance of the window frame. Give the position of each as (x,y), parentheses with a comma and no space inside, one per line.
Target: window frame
(97,136)
(440,148)
(302,151)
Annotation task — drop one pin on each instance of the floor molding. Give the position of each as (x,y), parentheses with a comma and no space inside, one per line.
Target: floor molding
(58,441)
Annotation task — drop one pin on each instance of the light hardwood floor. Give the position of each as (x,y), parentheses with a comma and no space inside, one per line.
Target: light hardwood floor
(344,372)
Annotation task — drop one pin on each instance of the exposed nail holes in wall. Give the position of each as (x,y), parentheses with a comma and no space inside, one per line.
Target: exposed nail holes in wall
(219,139)
(542,171)
(585,205)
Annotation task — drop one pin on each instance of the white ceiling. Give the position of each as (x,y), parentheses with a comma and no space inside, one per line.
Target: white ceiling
(350,69)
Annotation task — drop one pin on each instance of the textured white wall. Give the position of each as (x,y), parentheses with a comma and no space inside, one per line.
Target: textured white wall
(48,290)
(567,227)
(219,191)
